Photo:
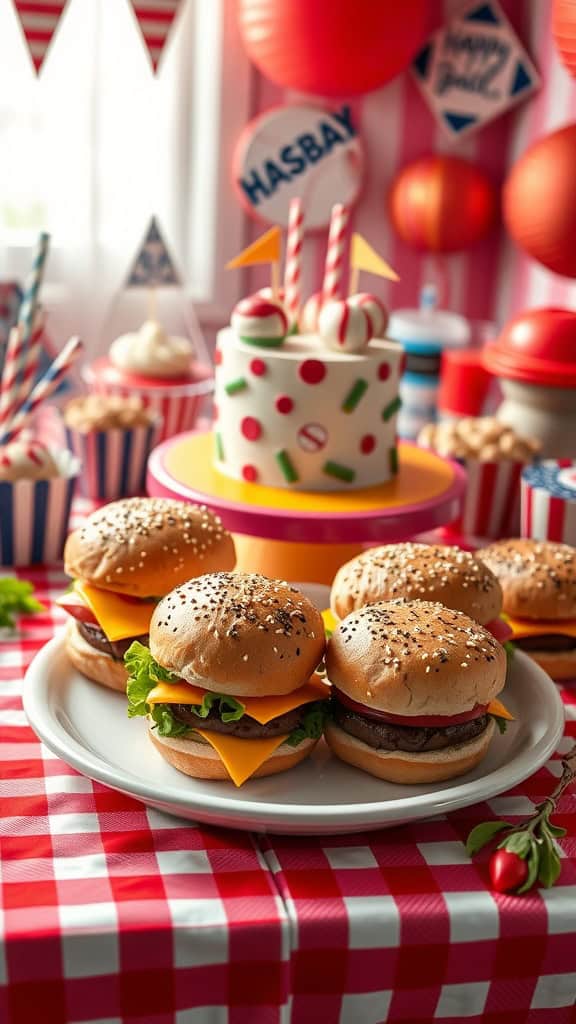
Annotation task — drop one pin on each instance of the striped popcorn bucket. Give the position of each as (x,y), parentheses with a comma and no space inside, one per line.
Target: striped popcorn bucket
(548,509)
(34,515)
(113,461)
(176,403)
(491,505)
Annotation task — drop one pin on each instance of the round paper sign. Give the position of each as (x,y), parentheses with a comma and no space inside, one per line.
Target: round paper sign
(298,151)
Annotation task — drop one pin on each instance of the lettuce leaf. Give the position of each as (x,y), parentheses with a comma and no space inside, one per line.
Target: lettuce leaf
(510,649)
(313,725)
(144,673)
(16,598)
(502,723)
(166,723)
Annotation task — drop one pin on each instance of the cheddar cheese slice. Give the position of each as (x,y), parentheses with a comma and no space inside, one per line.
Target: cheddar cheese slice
(330,622)
(119,616)
(262,709)
(496,707)
(540,627)
(241,757)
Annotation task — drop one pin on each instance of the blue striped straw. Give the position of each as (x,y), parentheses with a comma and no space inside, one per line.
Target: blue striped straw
(28,308)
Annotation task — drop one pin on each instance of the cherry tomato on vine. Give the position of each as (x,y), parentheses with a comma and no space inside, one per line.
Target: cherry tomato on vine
(507,871)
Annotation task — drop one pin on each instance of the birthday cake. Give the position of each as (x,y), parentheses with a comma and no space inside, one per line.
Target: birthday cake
(311,411)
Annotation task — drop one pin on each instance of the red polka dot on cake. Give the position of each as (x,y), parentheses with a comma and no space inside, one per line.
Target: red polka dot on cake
(403,362)
(284,404)
(258,367)
(312,371)
(367,444)
(384,371)
(217,357)
(251,428)
(215,411)
(249,473)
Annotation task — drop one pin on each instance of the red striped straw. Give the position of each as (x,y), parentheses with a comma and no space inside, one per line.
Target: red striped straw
(44,389)
(9,386)
(333,270)
(293,270)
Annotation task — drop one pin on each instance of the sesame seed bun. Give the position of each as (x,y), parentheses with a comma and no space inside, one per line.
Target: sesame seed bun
(418,572)
(538,578)
(96,665)
(201,761)
(415,658)
(405,768)
(144,547)
(238,633)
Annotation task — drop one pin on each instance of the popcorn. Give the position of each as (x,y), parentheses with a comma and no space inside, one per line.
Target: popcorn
(484,439)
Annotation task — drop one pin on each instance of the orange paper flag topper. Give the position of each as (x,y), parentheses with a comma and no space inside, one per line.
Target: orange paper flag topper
(364,257)
(265,249)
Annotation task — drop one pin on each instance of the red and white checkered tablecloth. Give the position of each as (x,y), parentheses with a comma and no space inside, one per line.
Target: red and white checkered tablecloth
(111,912)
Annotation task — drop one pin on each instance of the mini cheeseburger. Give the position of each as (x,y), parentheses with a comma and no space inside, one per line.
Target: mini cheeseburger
(538,579)
(414,691)
(422,572)
(123,559)
(228,683)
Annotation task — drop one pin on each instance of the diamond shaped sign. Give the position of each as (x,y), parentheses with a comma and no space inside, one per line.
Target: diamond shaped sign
(474,68)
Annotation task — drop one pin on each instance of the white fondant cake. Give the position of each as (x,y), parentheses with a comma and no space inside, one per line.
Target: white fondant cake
(306,417)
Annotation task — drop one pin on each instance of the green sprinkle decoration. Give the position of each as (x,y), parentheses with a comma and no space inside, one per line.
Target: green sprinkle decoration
(391,408)
(234,386)
(219,446)
(355,395)
(264,342)
(338,471)
(393,456)
(286,466)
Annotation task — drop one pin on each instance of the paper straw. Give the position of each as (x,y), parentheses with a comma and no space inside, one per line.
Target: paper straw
(28,308)
(44,388)
(9,385)
(293,269)
(332,285)
(31,363)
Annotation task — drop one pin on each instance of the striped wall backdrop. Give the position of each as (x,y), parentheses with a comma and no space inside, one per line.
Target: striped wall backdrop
(493,280)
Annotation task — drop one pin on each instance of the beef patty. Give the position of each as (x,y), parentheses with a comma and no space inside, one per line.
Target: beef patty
(381,735)
(549,642)
(97,638)
(246,727)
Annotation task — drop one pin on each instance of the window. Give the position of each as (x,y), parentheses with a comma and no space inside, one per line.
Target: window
(97,144)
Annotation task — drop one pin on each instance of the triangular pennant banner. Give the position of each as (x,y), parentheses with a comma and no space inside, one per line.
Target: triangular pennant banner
(155,19)
(364,257)
(265,249)
(153,266)
(38,19)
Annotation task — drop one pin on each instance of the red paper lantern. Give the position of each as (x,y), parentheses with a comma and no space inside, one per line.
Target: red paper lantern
(333,48)
(564,32)
(540,201)
(442,204)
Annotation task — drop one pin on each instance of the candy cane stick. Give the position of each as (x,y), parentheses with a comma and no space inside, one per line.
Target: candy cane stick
(293,271)
(44,388)
(332,284)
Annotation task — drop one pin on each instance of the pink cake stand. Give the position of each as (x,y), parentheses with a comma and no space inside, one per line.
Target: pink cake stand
(304,535)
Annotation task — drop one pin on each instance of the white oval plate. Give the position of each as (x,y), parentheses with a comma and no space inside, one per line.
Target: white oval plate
(86,725)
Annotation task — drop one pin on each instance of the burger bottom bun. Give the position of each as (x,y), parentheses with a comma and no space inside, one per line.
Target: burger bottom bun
(557,664)
(201,761)
(405,768)
(95,664)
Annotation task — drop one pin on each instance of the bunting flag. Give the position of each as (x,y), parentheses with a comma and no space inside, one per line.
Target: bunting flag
(153,266)
(364,257)
(265,249)
(38,20)
(155,19)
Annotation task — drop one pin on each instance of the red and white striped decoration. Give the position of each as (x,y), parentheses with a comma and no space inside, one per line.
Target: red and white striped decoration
(492,500)
(548,510)
(293,270)
(178,407)
(39,19)
(333,271)
(155,18)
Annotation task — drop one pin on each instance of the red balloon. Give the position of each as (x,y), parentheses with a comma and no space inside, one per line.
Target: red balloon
(564,32)
(540,201)
(442,204)
(332,47)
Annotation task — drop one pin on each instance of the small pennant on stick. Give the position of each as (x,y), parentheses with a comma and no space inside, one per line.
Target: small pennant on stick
(265,249)
(364,257)
(153,266)
(155,18)
(39,20)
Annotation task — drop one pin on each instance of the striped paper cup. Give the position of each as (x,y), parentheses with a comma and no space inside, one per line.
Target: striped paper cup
(34,515)
(491,506)
(176,401)
(548,509)
(114,461)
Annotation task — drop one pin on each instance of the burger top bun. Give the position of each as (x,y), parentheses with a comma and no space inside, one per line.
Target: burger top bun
(415,658)
(146,546)
(538,578)
(238,633)
(418,572)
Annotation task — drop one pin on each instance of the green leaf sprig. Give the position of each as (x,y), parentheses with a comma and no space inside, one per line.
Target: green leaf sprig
(535,840)
(16,598)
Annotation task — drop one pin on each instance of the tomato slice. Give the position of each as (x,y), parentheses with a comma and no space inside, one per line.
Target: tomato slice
(500,630)
(73,604)
(426,721)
